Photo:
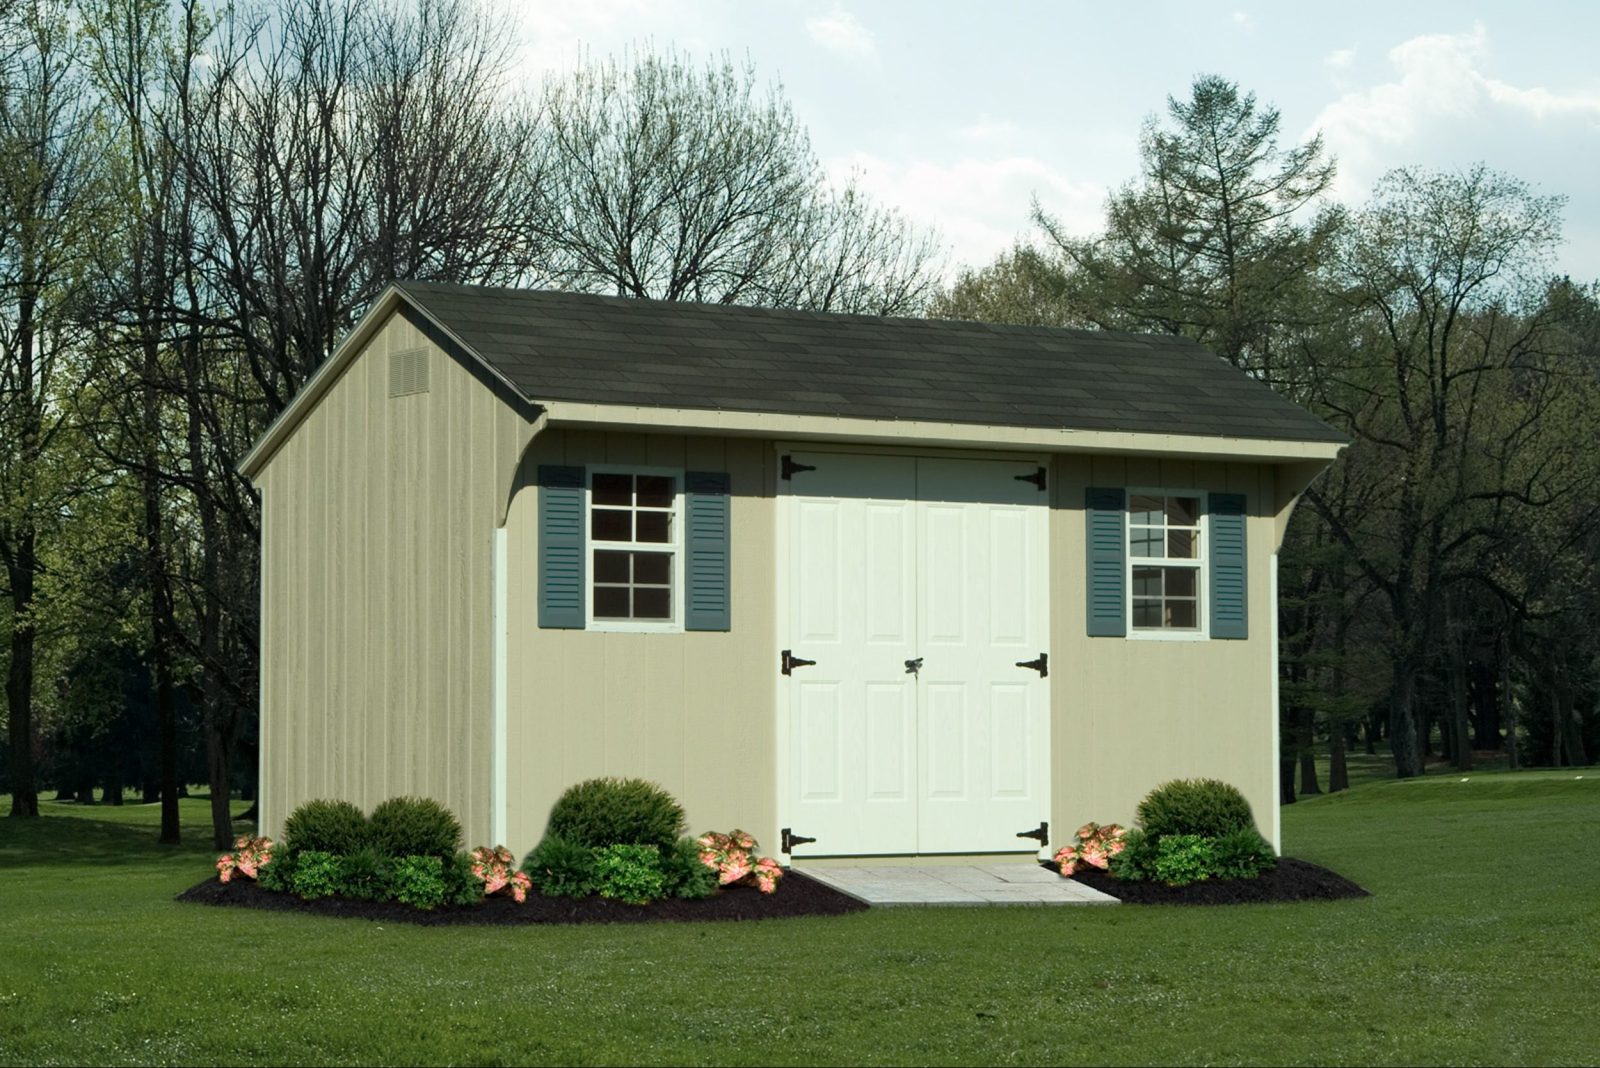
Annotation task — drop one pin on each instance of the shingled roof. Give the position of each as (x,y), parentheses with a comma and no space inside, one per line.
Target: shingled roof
(611,350)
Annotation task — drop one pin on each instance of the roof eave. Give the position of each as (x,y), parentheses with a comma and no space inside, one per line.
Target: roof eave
(640,418)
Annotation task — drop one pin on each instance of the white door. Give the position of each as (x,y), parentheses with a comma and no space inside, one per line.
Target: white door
(916,585)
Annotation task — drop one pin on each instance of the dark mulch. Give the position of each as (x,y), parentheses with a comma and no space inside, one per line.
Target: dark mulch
(796,896)
(1291,880)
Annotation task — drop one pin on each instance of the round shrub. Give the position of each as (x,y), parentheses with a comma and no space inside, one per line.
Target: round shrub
(1242,854)
(335,827)
(415,827)
(607,812)
(685,874)
(1182,859)
(365,875)
(559,868)
(630,873)
(1137,861)
(1208,808)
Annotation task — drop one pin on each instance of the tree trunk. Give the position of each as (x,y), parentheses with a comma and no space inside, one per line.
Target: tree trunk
(1305,739)
(1338,772)
(1403,741)
(19,677)
(1286,794)
(1508,703)
(1460,741)
(162,619)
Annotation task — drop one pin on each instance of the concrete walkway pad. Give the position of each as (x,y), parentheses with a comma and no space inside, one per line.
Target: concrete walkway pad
(1013,883)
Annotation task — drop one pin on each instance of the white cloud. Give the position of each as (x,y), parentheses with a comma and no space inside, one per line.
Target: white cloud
(839,31)
(988,128)
(979,205)
(1242,18)
(559,37)
(1339,59)
(1442,108)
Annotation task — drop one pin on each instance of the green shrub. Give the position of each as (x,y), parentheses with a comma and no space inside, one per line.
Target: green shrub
(366,875)
(461,887)
(684,874)
(277,874)
(419,881)
(1137,861)
(336,827)
(630,873)
(316,874)
(1242,854)
(559,868)
(415,827)
(1182,859)
(607,812)
(1205,807)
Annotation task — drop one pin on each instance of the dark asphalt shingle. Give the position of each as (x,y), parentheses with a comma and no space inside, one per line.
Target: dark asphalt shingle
(578,347)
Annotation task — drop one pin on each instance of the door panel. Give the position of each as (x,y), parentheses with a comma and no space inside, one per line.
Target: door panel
(892,559)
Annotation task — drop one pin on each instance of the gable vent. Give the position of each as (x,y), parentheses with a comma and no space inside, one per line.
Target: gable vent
(408,372)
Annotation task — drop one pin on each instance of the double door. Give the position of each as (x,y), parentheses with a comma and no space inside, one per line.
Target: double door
(917,589)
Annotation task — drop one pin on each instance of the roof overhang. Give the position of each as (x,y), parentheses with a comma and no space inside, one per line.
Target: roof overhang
(574,415)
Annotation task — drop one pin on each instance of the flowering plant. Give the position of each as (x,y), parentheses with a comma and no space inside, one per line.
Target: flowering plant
(1093,847)
(733,857)
(249,856)
(496,868)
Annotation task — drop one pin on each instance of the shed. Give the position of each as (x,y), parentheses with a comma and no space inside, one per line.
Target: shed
(859,585)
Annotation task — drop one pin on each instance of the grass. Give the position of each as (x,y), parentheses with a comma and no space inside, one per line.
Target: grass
(1478,947)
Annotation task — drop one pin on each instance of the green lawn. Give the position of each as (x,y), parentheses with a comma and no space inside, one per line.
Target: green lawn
(1481,945)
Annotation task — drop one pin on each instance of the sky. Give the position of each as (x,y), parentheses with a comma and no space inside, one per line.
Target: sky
(959,113)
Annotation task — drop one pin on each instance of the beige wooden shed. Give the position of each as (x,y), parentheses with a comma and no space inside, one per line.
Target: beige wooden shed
(859,585)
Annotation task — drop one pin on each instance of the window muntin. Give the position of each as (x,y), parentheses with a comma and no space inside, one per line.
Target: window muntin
(1165,562)
(634,548)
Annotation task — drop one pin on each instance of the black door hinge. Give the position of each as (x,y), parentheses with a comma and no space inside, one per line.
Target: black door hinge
(790,840)
(1041,665)
(1041,832)
(790,662)
(1037,478)
(790,468)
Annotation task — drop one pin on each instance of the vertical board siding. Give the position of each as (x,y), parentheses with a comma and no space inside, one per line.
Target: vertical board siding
(376,597)
(1130,713)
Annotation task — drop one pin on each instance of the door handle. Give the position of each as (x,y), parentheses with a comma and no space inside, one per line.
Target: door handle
(914,667)
(1041,665)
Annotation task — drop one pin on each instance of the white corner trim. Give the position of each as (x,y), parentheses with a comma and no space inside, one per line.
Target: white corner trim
(1277,754)
(497,744)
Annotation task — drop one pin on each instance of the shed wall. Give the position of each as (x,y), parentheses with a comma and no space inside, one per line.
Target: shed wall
(378,515)
(692,711)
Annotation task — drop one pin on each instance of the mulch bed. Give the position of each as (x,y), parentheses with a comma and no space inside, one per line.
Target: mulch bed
(796,896)
(1291,880)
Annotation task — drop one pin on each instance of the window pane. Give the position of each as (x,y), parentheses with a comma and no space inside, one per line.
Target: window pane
(652,602)
(1147,582)
(1180,544)
(1146,613)
(1181,614)
(652,526)
(609,524)
(1183,511)
(655,491)
(1142,509)
(1180,581)
(610,566)
(612,489)
(654,569)
(611,602)
(1144,541)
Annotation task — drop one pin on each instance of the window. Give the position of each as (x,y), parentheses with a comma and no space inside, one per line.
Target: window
(634,545)
(1165,561)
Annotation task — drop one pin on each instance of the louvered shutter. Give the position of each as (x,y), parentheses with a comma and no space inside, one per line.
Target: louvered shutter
(561,564)
(706,536)
(1227,565)
(1107,514)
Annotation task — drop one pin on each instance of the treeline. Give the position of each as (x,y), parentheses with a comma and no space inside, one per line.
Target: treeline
(1440,585)
(198,199)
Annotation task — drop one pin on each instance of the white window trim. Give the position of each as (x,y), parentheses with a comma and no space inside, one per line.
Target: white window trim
(676,546)
(1201,561)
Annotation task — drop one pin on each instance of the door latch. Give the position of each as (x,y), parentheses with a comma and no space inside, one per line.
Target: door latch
(790,662)
(1041,665)
(914,667)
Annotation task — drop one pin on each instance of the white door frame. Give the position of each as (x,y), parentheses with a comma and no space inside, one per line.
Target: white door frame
(782,594)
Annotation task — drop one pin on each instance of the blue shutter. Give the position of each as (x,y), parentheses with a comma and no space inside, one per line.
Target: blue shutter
(1227,562)
(706,598)
(561,562)
(1108,546)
